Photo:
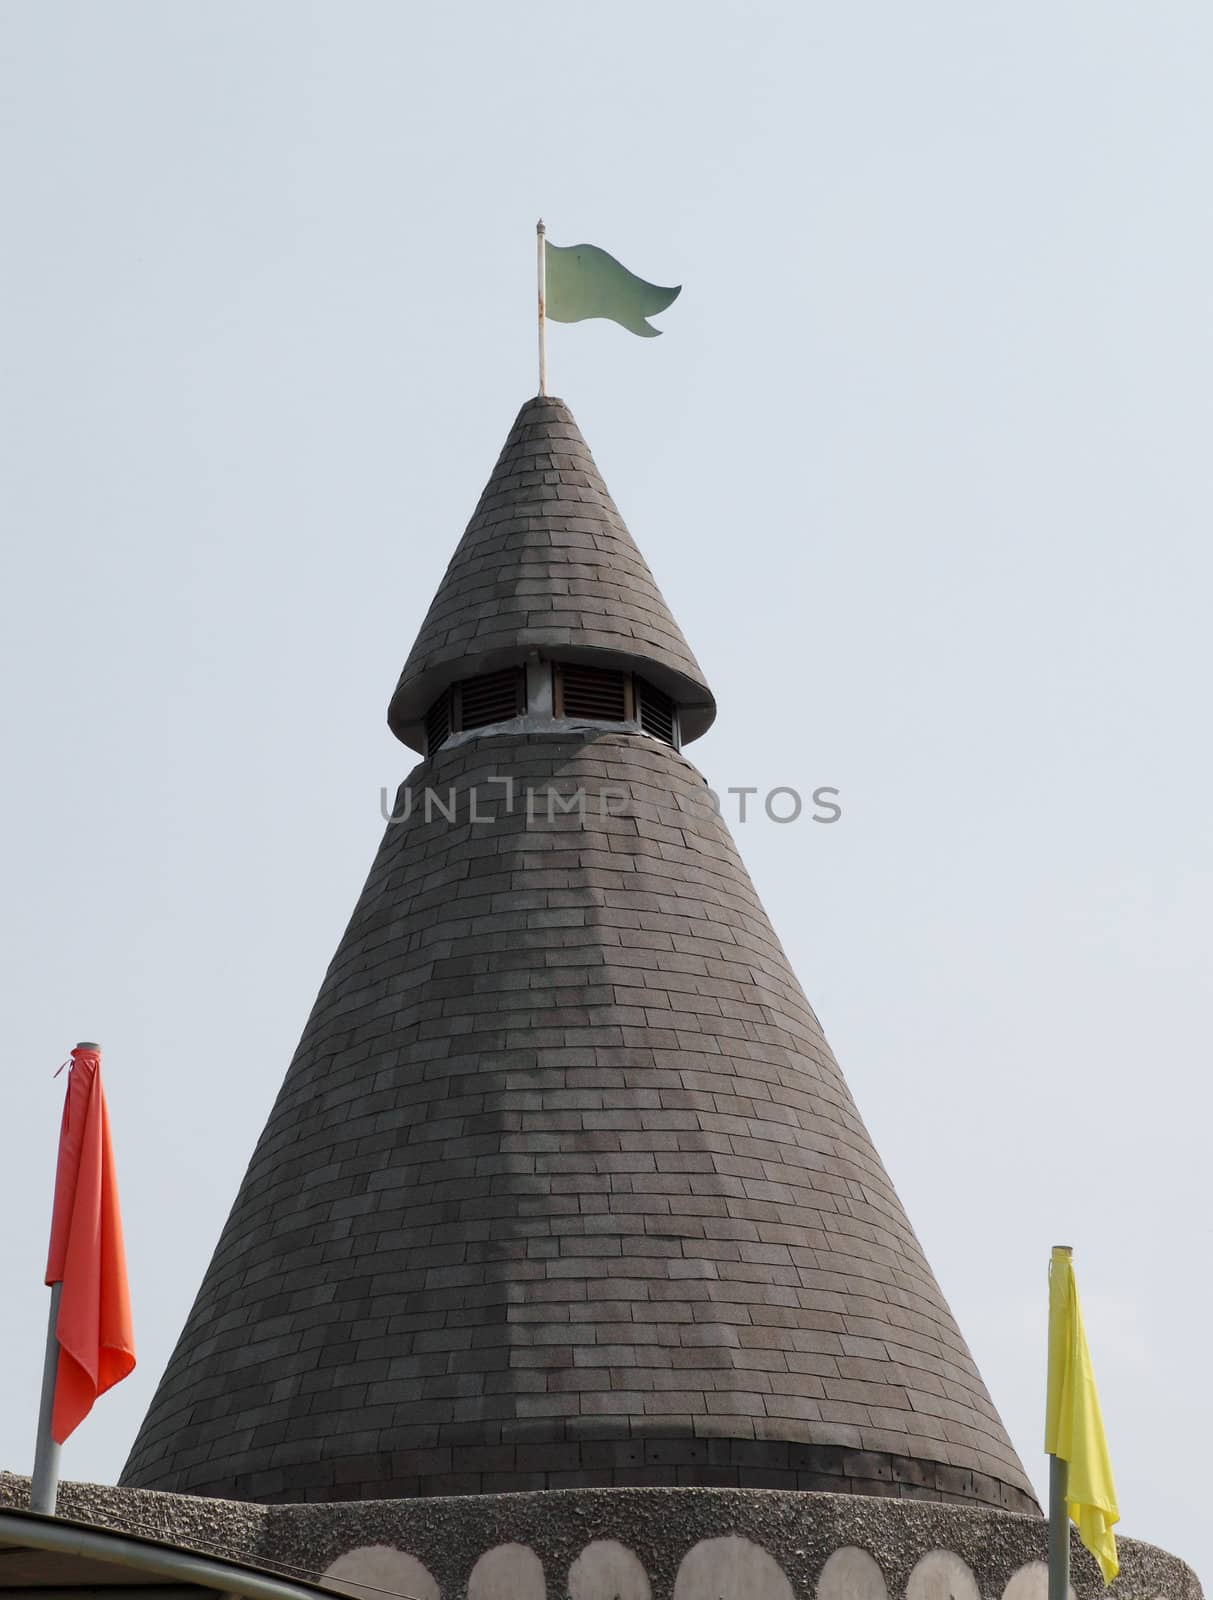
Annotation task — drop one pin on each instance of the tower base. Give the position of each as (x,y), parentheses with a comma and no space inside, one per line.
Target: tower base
(629,1544)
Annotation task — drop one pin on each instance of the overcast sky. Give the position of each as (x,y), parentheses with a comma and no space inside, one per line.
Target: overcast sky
(921,464)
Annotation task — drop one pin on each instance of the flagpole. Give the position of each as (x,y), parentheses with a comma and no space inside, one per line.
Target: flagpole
(1059,1529)
(1059,1516)
(44,1485)
(541,254)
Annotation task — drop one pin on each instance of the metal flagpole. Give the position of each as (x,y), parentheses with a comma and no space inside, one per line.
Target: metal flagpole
(540,242)
(1059,1518)
(1059,1529)
(44,1485)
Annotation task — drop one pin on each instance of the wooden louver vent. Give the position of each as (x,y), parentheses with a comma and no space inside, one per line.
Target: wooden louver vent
(438,723)
(581,693)
(656,711)
(592,692)
(493,697)
(475,703)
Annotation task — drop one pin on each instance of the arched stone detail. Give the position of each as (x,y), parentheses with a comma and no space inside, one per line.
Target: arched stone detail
(731,1569)
(508,1572)
(608,1570)
(1031,1582)
(852,1574)
(371,1569)
(942,1575)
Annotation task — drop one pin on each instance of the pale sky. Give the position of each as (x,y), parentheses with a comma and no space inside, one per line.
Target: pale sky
(921,464)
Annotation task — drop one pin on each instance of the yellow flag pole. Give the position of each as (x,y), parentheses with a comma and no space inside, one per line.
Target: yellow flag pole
(1059,1529)
(541,253)
(1059,1514)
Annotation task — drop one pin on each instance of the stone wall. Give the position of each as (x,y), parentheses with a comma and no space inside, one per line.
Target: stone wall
(631,1544)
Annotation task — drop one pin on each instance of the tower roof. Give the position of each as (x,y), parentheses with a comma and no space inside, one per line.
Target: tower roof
(547,564)
(564,1185)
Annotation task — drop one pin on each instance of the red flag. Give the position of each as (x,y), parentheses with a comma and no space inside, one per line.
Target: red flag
(96,1342)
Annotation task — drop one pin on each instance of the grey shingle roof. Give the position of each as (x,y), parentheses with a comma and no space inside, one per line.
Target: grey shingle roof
(546,563)
(564,1185)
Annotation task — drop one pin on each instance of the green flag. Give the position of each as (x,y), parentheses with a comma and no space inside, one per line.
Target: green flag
(583,281)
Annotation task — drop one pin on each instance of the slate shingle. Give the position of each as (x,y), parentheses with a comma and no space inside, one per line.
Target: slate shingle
(505,1216)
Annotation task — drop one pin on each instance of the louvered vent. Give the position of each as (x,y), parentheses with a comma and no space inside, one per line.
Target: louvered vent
(475,703)
(656,711)
(494,697)
(438,723)
(591,692)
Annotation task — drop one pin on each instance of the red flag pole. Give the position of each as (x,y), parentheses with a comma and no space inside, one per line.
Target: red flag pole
(44,1484)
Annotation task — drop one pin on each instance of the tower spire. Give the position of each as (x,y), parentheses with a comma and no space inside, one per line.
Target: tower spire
(564,1185)
(547,565)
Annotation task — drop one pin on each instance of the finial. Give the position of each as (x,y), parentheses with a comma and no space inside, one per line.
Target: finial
(539,227)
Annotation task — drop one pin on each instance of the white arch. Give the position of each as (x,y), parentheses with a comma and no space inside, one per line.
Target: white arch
(731,1569)
(508,1572)
(851,1574)
(608,1570)
(942,1575)
(1031,1582)
(377,1571)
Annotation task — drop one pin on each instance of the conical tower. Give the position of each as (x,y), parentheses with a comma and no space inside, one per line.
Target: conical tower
(564,1186)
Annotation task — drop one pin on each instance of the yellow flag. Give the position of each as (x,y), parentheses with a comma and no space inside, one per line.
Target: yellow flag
(1073,1424)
